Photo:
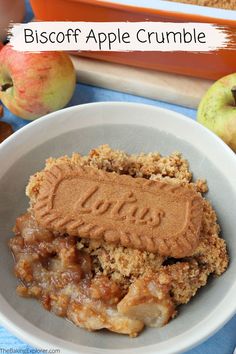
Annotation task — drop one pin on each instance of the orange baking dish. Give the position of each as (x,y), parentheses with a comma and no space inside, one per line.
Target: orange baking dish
(205,65)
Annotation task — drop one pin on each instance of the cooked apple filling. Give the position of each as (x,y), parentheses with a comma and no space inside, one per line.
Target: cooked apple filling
(98,284)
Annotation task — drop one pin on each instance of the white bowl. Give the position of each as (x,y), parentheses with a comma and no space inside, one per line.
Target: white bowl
(133,128)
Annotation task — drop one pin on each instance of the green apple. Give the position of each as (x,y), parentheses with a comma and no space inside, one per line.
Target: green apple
(217,109)
(34,84)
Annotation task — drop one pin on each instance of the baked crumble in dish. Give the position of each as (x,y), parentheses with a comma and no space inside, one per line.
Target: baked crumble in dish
(96,277)
(222,4)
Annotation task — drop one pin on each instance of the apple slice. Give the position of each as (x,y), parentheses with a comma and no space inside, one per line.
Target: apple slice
(5,131)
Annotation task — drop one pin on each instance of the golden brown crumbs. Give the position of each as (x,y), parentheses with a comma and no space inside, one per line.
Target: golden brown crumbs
(222,4)
(151,165)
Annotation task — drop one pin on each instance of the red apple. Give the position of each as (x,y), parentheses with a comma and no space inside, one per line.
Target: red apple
(34,84)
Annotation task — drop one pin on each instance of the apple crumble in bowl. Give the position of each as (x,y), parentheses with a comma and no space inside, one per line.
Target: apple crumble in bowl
(116,241)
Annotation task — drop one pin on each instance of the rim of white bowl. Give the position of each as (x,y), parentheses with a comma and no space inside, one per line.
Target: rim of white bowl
(226,308)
